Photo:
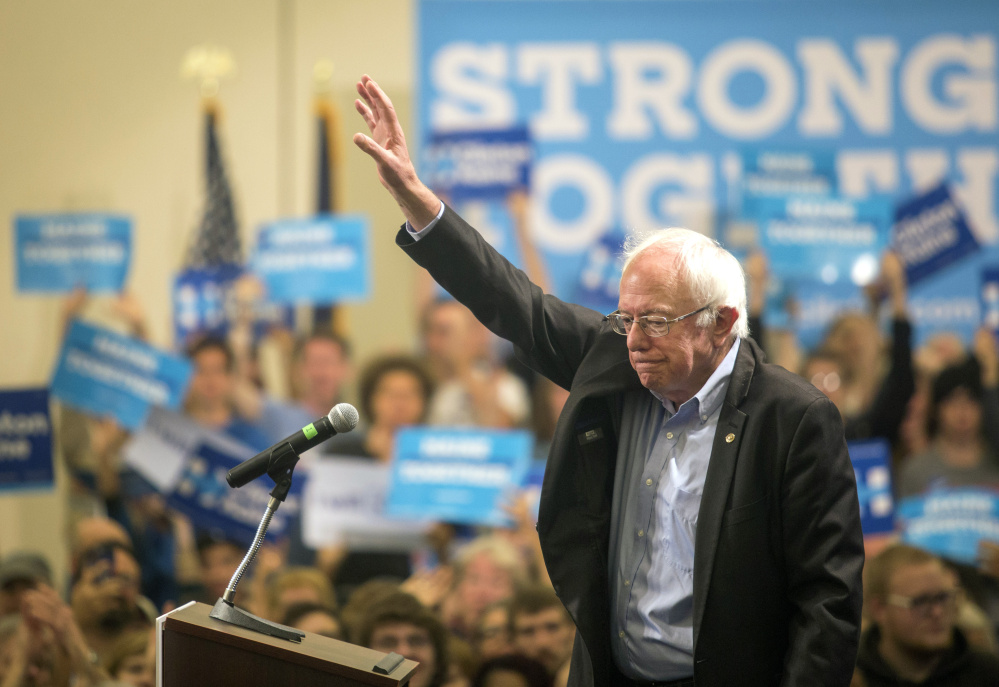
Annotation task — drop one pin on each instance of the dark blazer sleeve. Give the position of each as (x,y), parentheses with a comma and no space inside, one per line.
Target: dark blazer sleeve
(823,550)
(551,336)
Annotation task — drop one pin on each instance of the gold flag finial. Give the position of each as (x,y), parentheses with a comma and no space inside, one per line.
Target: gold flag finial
(208,65)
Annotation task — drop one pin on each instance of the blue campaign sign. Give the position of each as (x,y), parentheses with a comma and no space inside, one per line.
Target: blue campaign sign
(323,259)
(989,293)
(951,522)
(479,164)
(203,495)
(931,233)
(457,475)
(106,374)
(783,173)
(639,111)
(872,466)
(833,239)
(600,278)
(59,253)
(203,301)
(25,439)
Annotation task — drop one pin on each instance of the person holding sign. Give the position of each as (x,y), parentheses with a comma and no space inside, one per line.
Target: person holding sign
(699,515)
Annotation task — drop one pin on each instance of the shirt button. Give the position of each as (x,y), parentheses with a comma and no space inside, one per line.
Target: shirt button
(641,533)
(648,482)
(627,583)
(669,435)
(704,418)
(621,634)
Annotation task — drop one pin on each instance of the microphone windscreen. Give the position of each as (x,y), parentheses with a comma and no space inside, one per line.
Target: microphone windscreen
(343,417)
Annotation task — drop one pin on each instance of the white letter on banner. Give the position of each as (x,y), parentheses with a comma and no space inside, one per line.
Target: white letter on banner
(636,95)
(926,167)
(470,80)
(694,174)
(979,166)
(556,66)
(828,71)
(972,94)
(759,120)
(862,171)
(597,189)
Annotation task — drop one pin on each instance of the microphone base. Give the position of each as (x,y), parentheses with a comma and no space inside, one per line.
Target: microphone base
(233,615)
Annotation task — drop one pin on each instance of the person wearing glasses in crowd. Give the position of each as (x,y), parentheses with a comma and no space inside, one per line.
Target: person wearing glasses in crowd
(699,515)
(912,602)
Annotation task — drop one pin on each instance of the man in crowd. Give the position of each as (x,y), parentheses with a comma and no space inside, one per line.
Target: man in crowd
(105,595)
(912,601)
(399,623)
(541,628)
(21,572)
(699,515)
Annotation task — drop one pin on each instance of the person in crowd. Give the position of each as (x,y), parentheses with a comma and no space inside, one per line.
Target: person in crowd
(472,388)
(512,671)
(914,640)
(313,617)
(88,533)
(780,457)
(401,624)
(209,399)
(394,391)
(297,585)
(132,659)
(105,596)
(492,636)
(542,629)
(20,572)
(488,569)
(43,646)
(353,612)
(959,423)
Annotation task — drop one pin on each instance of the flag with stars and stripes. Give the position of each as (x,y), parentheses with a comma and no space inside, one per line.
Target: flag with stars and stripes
(216,241)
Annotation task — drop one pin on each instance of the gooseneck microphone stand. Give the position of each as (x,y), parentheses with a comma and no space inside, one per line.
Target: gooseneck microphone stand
(280,467)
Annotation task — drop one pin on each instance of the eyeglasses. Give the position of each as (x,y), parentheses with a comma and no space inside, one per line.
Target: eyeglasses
(924,603)
(652,325)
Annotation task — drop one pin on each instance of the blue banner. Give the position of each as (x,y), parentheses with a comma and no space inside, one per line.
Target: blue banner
(25,440)
(324,259)
(833,239)
(203,495)
(872,466)
(479,164)
(203,302)
(457,475)
(990,298)
(931,233)
(648,114)
(59,253)
(107,374)
(778,174)
(951,522)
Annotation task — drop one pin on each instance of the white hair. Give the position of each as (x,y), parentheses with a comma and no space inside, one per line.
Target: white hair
(713,275)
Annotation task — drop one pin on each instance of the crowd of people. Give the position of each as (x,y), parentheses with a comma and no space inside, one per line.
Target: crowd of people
(484,611)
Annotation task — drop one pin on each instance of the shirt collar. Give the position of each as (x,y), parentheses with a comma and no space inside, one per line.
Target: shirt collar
(706,401)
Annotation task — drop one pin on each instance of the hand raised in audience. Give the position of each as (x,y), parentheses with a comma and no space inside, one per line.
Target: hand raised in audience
(986,350)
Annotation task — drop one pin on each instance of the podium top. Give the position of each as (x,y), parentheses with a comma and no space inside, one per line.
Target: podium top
(315,651)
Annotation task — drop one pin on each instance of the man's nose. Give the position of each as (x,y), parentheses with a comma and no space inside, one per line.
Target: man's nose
(637,338)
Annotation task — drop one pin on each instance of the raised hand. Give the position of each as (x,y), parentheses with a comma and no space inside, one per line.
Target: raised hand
(387,147)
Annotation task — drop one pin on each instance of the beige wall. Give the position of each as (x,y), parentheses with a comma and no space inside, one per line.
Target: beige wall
(94,116)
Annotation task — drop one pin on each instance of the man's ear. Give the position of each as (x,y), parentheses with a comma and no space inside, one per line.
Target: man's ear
(726,319)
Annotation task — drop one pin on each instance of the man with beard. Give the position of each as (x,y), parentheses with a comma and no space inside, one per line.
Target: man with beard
(541,628)
(105,595)
(913,603)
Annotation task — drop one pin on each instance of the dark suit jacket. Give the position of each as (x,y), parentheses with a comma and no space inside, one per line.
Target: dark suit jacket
(778,550)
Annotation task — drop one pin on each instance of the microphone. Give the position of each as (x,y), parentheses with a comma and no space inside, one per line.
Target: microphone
(342,418)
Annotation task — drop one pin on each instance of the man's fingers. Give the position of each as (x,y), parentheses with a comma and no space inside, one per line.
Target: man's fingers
(381,103)
(366,114)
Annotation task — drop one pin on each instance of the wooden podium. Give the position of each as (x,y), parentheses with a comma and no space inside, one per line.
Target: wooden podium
(199,651)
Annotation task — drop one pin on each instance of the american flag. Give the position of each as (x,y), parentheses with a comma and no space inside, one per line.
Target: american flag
(217,239)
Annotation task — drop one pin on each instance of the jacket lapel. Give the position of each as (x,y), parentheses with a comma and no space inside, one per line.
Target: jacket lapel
(718,481)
